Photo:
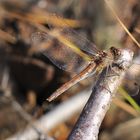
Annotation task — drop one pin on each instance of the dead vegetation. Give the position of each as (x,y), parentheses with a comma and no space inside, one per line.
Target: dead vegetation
(27,77)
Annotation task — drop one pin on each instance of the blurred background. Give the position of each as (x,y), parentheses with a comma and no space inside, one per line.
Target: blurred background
(28,77)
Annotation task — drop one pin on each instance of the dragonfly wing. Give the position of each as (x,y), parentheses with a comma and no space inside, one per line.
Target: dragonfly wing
(60,54)
(81,41)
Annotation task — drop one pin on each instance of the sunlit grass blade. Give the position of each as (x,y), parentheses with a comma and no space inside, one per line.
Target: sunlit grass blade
(129,99)
(71,23)
(53,33)
(71,45)
(121,23)
(57,21)
(57,34)
(126,107)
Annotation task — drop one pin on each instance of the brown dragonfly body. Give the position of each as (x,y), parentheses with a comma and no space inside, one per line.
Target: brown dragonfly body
(92,62)
(102,59)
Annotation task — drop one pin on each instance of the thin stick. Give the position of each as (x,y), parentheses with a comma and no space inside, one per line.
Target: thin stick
(121,23)
(48,121)
(87,126)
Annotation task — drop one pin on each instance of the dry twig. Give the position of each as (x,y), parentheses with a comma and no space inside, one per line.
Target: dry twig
(87,126)
(63,112)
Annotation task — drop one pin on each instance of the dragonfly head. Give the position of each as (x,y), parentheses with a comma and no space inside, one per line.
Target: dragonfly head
(122,57)
(115,52)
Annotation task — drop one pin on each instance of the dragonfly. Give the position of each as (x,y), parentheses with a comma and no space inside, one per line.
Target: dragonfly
(74,53)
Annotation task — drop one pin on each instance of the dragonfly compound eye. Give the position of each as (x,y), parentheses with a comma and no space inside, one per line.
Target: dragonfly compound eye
(115,52)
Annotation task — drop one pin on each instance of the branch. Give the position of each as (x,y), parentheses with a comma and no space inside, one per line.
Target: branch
(88,124)
(63,112)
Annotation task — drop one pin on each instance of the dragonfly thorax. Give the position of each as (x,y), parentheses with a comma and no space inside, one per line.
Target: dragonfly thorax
(100,57)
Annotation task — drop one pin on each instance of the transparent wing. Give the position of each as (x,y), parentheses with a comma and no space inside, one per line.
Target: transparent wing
(81,41)
(54,46)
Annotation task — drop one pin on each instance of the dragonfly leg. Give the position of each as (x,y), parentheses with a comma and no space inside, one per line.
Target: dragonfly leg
(114,73)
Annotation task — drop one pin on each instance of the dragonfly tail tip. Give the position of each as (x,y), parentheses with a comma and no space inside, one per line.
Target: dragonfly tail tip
(49,99)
